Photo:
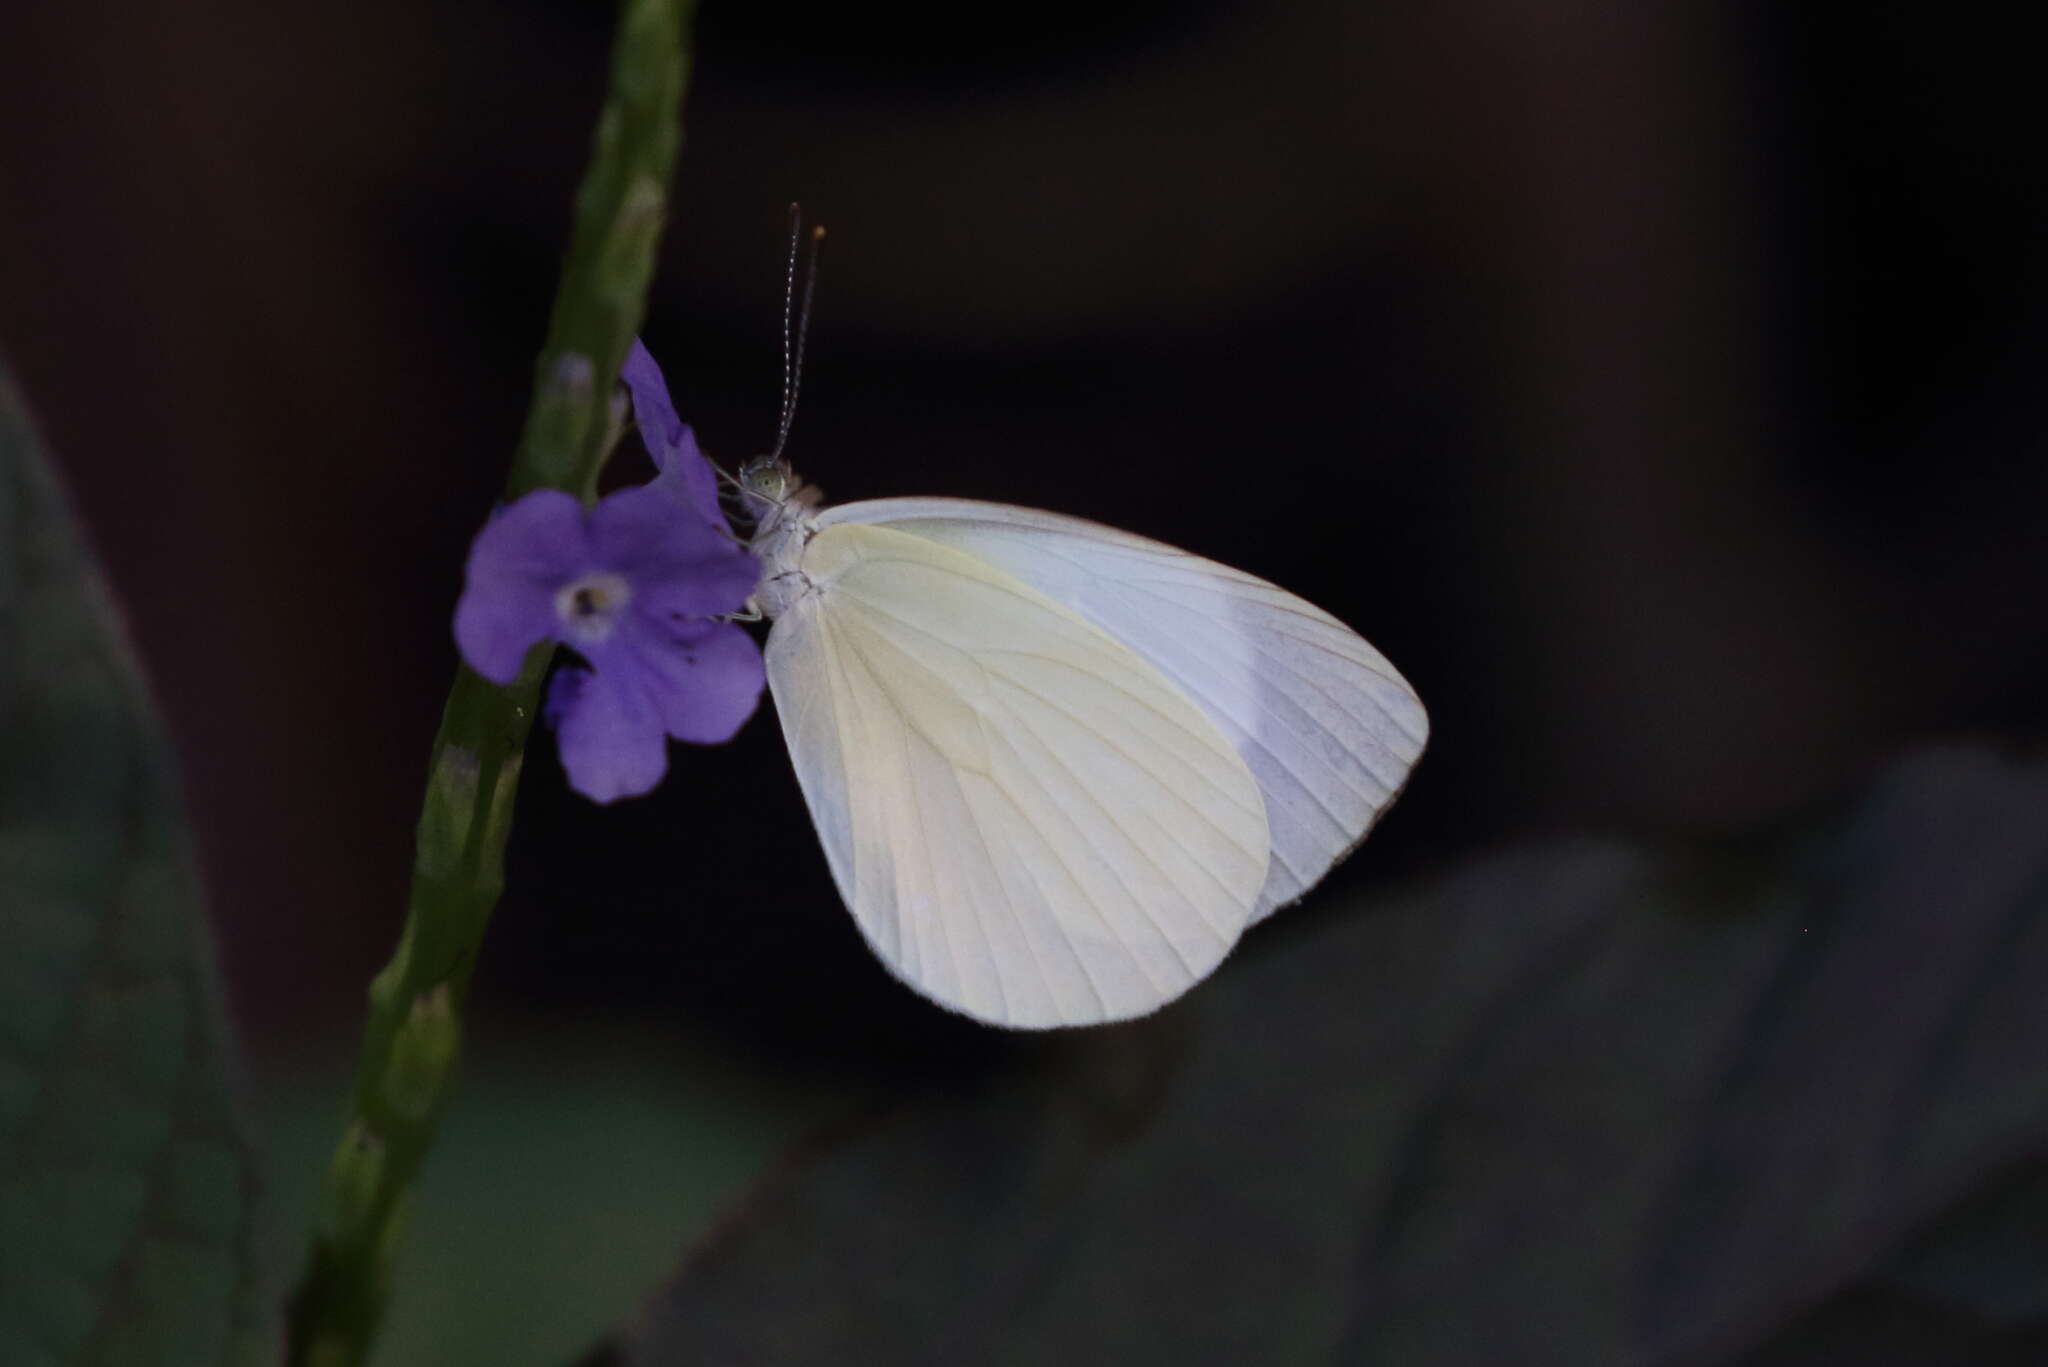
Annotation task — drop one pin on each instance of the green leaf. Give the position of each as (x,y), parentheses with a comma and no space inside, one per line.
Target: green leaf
(1589,1104)
(128,1211)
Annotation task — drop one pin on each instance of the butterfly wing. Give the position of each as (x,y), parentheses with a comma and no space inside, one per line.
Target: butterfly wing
(1327,726)
(1029,824)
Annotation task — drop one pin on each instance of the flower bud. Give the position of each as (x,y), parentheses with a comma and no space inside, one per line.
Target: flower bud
(422,1055)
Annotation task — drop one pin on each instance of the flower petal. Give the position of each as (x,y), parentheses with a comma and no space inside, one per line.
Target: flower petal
(678,566)
(609,732)
(671,443)
(706,679)
(527,551)
(707,588)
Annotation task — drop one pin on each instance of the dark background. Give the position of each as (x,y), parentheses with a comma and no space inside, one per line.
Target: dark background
(1657,385)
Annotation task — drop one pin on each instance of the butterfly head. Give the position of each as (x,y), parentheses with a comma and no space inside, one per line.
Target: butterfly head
(767,480)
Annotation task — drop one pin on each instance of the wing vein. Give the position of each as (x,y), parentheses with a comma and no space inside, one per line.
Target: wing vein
(977,657)
(1271,657)
(1081,960)
(896,918)
(1101,914)
(988,943)
(1110,816)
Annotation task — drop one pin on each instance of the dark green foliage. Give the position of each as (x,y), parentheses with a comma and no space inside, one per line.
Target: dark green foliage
(130,1224)
(1584,1105)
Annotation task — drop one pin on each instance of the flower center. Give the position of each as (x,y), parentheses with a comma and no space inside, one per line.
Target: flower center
(590,607)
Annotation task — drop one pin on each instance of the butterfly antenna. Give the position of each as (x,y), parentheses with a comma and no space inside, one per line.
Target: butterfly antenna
(796,224)
(793,356)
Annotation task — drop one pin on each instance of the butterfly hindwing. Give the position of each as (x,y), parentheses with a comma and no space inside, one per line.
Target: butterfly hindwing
(1030,823)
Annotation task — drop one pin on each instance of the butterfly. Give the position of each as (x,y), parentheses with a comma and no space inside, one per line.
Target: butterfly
(1057,769)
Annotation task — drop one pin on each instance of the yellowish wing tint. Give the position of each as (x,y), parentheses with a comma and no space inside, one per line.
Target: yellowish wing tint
(1030,823)
(1327,726)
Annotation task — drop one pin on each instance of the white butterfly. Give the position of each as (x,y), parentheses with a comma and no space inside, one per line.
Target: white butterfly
(1058,768)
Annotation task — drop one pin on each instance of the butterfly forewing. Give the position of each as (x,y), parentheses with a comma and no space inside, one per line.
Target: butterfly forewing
(1328,728)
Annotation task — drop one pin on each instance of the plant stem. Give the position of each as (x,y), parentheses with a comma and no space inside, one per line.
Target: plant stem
(413,1034)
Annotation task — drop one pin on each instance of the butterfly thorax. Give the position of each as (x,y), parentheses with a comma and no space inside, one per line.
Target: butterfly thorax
(785,512)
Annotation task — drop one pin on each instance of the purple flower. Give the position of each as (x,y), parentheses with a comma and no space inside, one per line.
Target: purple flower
(634,586)
(671,443)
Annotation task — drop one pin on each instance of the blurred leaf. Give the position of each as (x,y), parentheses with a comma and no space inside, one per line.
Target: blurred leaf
(1582,1105)
(128,1214)
(1988,1257)
(573,1155)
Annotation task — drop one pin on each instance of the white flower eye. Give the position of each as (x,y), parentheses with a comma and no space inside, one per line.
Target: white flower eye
(590,607)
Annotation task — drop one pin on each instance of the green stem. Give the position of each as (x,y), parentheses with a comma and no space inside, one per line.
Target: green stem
(413,1034)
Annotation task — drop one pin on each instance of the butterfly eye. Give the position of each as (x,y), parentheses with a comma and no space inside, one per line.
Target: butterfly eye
(767,477)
